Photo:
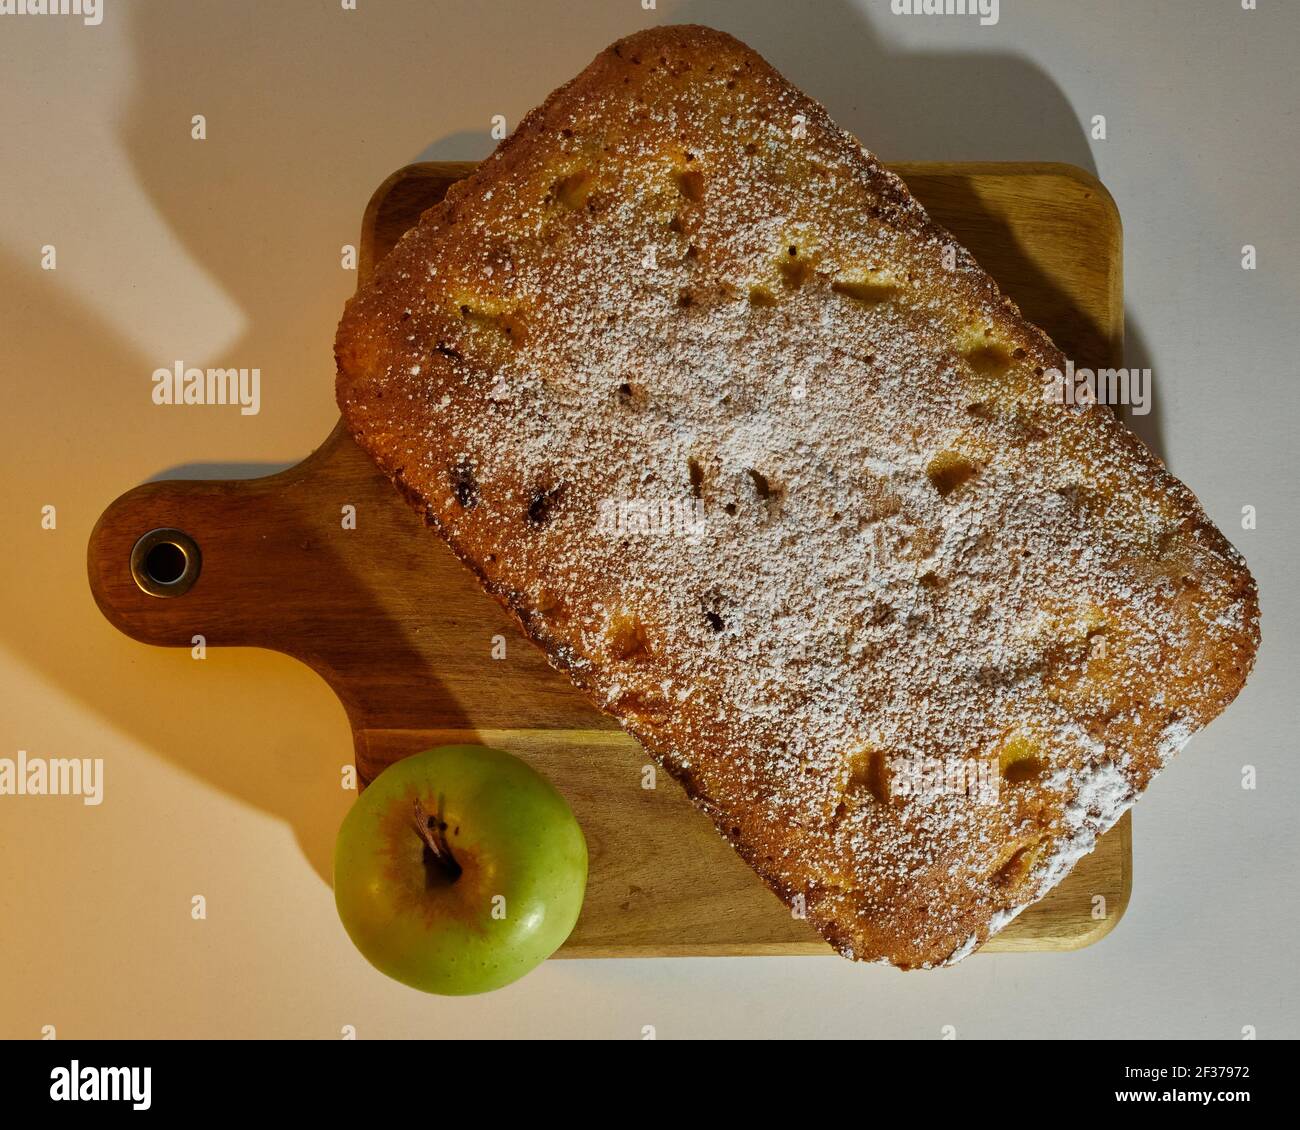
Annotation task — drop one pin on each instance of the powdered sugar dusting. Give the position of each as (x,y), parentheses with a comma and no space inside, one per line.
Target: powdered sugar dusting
(657,293)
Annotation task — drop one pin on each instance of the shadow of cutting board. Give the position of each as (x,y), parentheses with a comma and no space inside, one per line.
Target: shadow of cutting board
(420,656)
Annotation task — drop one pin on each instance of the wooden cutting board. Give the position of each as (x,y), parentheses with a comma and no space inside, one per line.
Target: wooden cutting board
(420,656)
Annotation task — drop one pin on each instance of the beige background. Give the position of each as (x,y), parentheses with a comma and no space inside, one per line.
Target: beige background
(222,776)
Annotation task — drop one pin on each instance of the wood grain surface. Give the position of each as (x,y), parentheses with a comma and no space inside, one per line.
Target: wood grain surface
(406,638)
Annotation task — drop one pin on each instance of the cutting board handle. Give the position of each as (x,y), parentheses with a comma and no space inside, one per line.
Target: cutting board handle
(248,547)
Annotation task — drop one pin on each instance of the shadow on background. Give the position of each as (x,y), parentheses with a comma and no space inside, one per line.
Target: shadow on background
(198,715)
(219,471)
(255,208)
(462,146)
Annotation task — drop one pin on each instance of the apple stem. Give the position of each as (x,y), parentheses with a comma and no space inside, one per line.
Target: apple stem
(432,830)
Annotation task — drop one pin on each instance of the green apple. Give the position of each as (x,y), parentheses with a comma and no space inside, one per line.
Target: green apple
(459,870)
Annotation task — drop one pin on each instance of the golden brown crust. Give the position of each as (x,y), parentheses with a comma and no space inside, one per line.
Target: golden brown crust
(761,458)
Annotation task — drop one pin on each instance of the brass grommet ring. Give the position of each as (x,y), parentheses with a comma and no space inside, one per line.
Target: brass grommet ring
(166,562)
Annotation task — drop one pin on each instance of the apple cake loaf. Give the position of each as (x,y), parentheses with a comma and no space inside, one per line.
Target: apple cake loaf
(764,461)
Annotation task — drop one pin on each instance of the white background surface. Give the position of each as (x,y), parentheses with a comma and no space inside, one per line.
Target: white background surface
(222,777)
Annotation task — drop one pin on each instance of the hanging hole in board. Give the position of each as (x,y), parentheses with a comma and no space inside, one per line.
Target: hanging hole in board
(166,562)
